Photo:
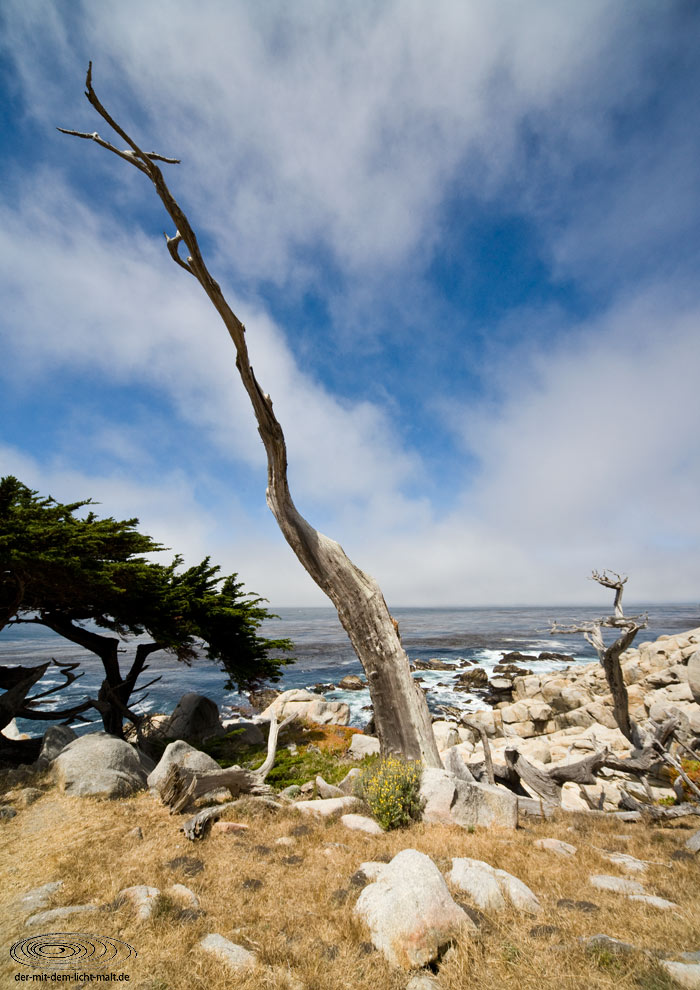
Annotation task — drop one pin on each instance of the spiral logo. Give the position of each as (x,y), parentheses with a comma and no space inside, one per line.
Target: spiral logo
(71,950)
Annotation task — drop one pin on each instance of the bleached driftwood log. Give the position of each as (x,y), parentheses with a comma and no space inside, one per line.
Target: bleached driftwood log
(182,787)
(401,714)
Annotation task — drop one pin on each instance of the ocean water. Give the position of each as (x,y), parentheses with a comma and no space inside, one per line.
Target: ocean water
(324,654)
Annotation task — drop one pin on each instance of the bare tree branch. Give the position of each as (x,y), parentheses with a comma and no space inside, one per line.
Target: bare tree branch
(609,656)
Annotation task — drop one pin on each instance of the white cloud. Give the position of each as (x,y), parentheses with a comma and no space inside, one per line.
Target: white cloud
(326,127)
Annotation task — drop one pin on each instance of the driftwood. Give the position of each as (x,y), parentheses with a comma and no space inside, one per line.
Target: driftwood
(488,762)
(537,780)
(183,786)
(197,826)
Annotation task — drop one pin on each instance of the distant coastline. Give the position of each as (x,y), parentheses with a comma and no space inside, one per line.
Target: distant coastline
(324,654)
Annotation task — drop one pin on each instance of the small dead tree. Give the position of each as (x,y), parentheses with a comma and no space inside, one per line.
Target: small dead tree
(609,656)
(400,711)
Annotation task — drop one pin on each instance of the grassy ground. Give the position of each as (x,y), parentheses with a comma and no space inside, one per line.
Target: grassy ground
(293,903)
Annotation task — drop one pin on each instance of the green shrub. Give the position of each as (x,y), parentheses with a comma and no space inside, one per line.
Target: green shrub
(390,788)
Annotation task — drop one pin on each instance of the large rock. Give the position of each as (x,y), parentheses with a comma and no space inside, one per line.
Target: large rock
(195,717)
(694,676)
(409,911)
(446,734)
(454,764)
(361,745)
(449,800)
(492,889)
(55,740)
(246,733)
(304,704)
(99,765)
(179,754)
(361,823)
(480,884)
(617,885)
(686,975)
(327,806)
(234,956)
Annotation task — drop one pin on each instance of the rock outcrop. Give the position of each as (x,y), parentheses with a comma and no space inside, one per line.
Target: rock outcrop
(450,800)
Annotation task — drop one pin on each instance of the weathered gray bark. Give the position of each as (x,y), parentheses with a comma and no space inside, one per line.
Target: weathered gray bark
(183,786)
(609,656)
(401,715)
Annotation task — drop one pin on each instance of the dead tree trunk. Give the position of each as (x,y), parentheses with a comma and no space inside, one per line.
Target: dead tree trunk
(400,711)
(609,656)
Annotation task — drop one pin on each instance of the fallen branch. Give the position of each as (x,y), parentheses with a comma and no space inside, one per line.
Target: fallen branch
(183,786)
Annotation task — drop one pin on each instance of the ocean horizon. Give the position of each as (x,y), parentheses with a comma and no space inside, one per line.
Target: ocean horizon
(324,654)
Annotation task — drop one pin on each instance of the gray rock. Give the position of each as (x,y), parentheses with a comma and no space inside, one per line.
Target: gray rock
(617,885)
(372,870)
(492,889)
(195,717)
(556,846)
(326,790)
(291,792)
(233,955)
(247,733)
(55,740)
(686,975)
(694,676)
(347,784)
(361,745)
(627,862)
(519,894)
(446,734)
(99,765)
(327,806)
(409,911)
(7,811)
(588,907)
(184,894)
(454,764)
(601,941)
(422,981)
(479,881)
(143,898)
(448,800)
(360,823)
(658,902)
(305,704)
(693,843)
(179,754)
(38,897)
(60,913)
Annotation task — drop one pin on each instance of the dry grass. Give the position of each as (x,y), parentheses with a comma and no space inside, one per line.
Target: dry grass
(299,918)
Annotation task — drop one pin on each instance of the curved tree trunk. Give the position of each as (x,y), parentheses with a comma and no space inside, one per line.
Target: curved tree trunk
(401,714)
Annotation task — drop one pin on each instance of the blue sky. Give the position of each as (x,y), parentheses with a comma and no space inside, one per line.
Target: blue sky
(464,238)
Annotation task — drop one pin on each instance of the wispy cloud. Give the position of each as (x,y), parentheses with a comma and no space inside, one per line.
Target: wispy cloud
(340,151)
